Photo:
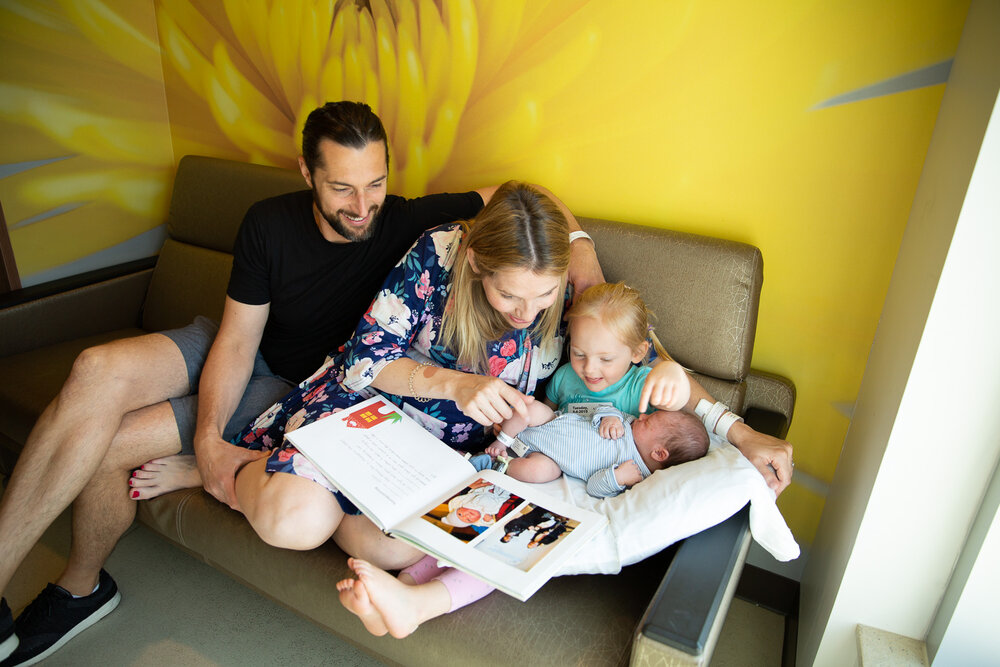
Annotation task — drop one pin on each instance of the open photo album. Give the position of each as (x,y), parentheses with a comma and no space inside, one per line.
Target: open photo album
(417,489)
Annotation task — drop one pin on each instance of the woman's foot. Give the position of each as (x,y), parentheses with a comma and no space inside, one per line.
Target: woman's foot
(164,475)
(401,608)
(354,597)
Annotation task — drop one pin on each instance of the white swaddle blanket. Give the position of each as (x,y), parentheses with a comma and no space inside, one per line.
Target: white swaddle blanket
(675,503)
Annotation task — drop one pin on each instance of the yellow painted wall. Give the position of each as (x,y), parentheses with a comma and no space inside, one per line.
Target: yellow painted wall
(700,116)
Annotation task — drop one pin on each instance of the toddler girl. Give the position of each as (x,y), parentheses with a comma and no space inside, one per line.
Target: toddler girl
(609,337)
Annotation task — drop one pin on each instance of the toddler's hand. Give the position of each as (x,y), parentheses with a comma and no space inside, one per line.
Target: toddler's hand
(627,474)
(667,387)
(611,428)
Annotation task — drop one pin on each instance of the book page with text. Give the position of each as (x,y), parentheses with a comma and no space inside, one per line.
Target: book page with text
(381,459)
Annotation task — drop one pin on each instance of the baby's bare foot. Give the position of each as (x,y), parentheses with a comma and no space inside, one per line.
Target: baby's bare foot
(164,475)
(354,597)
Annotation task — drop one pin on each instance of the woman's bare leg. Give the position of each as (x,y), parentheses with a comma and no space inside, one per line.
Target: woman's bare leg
(159,476)
(386,604)
(286,510)
(359,537)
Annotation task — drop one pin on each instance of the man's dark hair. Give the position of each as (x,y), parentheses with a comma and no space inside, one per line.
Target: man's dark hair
(351,124)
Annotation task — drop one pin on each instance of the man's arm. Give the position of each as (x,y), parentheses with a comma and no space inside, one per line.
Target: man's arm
(584,269)
(223,381)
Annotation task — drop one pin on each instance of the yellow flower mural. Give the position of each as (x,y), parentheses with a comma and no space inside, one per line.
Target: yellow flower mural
(85,158)
(798,126)
(257,69)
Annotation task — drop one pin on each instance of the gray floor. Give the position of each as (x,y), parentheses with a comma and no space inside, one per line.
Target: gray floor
(176,610)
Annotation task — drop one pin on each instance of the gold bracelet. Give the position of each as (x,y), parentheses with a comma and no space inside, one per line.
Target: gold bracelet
(413,392)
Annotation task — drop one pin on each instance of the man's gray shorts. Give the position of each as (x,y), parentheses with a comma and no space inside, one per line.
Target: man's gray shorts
(264,388)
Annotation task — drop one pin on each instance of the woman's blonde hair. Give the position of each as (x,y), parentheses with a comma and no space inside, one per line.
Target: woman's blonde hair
(620,308)
(519,228)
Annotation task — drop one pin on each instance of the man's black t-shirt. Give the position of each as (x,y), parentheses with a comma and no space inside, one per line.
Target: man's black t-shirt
(318,290)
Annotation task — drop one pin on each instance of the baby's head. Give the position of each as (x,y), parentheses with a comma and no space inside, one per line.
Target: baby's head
(608,330)
(462,517)
(665,438)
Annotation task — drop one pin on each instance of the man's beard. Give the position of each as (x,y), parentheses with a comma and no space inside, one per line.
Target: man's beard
(353,234)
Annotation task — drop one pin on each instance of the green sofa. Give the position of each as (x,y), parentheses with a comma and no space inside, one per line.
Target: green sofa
(668,609)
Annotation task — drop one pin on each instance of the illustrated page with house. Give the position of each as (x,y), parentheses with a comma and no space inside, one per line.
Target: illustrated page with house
(381,459)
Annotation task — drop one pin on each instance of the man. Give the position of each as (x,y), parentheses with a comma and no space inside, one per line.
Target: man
(306,266)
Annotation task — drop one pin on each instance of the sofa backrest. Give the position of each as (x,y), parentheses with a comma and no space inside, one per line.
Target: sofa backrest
(704,291)
(209,199)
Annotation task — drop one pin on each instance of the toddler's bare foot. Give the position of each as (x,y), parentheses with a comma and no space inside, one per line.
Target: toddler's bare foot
(164,475)
(354,597)
(400,606)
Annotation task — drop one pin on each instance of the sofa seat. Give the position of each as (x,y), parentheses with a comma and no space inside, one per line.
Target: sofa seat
(603,609)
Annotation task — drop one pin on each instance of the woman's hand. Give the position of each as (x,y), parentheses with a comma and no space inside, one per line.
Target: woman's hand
(771,456)
(489,400)
(666,388)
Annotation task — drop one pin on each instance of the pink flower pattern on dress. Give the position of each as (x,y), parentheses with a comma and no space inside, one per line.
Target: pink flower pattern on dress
(424,289)
(497,364)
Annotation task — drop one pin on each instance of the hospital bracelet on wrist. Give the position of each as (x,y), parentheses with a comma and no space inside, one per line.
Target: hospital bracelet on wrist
(413,392)
(580,235)
(716,417)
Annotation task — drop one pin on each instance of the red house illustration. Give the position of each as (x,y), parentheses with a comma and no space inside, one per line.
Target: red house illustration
(370,416)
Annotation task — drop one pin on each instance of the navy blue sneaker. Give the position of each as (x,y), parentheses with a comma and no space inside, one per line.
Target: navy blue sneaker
(8,640)
(55,617)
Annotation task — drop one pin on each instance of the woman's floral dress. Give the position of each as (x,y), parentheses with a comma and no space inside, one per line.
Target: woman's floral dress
(404,320)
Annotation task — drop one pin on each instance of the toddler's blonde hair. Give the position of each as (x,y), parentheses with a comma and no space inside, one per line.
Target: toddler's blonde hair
(620,308)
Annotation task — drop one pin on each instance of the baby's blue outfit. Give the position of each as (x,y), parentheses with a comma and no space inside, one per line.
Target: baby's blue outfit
(575,444)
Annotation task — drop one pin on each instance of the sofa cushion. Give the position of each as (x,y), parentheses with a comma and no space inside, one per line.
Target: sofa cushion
(40,374)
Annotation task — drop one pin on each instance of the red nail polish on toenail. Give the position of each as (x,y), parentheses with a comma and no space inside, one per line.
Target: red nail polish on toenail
(134,473)
(135,494)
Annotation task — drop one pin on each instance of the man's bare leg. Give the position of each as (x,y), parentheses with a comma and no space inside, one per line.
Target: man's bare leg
(103,511)
(69,442)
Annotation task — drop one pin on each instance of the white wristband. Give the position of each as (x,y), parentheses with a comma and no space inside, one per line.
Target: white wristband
(580,235)
(504,439)
(711,420)
(717,417)
(725,423)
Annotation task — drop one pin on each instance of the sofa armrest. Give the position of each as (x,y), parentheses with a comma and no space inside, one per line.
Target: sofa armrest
(84,305)
(684,619)
(770,398)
